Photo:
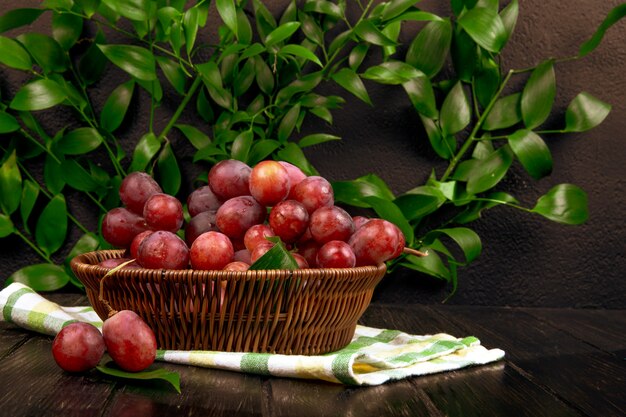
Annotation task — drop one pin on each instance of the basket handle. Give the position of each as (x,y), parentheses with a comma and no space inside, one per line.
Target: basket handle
(110,310)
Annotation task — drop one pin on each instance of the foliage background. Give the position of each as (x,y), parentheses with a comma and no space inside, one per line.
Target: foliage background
(526,260)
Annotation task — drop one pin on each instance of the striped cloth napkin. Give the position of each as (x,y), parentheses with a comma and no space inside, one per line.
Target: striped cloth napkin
(374,356)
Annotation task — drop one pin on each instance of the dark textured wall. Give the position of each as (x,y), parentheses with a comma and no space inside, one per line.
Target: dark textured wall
(526,259)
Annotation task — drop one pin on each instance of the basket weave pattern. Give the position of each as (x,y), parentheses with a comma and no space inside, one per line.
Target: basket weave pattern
(305,312)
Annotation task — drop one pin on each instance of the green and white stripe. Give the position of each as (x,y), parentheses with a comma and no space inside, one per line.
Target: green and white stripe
(374,356)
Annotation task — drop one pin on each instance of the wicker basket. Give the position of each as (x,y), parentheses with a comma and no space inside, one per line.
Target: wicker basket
(306,311)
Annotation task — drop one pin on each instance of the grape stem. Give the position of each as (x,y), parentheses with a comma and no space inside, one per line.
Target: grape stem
(415,252)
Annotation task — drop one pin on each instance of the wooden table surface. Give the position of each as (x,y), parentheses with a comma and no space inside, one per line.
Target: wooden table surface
(559,362)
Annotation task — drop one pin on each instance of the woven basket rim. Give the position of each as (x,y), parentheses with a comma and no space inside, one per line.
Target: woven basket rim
(81,262)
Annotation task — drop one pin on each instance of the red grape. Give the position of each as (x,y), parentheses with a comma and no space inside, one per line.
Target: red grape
(163,212)
(211,250)
(289,220)
(309,251)
(331,223)
(134,245)
(136,188)
(200,223)
(78,347)
(359,221)
(301,260)
(236,266)
(202,199)
(243,255)
(295,174)
(230,178)
(238,214)
(113,262)
(260,250)
(163,249)
(313,192)
(336,254)
(375,242)
(269,183)
(256,234)
(120,226)
(129,341)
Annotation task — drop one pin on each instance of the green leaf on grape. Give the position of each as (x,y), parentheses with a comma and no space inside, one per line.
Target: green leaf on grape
(278,257)
(172,378)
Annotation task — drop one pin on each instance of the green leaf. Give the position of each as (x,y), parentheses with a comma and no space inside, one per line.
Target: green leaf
(10,184)
(51,228)
(228,13)
(153,88)
(368,31)
(564,203)
(485,26)
(483,174)
(509,18)
(241,146)
(616,14)
(30,192)
(41,277)
(196,137)
(8,123)
(244,29)
(416,16)
(88,6)
(174,74)
(301,51)
(265,21)
(6,226)
(324,7)
(504,113)
(146,149)
(429,49)
(136,10)
(293,154)
(353,192)
(66,29)
(474,211)
(278,257)
(14,55)
(487,80)
(288,122)
(190,26)
(392,72)
(116,106)
(245,78)
(38,95)
(93,63)
(443,145)
(420,202)
(264,76)
(87,243)
(47,52)
(311,29)
(111,369)
(77,177)
(304,84)
(57,4)
(465,55)
(431,265)
(532,152)
(585,112)
(420,92)
(396,7)
(349,80)
(17,18)
(79,141)
(538,95)
(281,33)
(169,176)
(455,111)
(316,139)
(135,60)
(53,175)
(261,149)
(467,239)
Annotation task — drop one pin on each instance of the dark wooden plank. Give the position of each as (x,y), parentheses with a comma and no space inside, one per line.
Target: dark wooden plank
(11,337)
(33,385)
(204,392)
(491,390)
(604,329)
(581,375)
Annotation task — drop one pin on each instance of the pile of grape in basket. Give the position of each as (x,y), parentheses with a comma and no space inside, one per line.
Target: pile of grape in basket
(237,218)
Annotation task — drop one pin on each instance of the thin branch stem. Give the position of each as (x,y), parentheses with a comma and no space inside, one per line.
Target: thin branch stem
(33,246)
(181,108)
(470,139)
(39,145)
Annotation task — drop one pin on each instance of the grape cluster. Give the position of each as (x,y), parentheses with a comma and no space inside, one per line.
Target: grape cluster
(232,217)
